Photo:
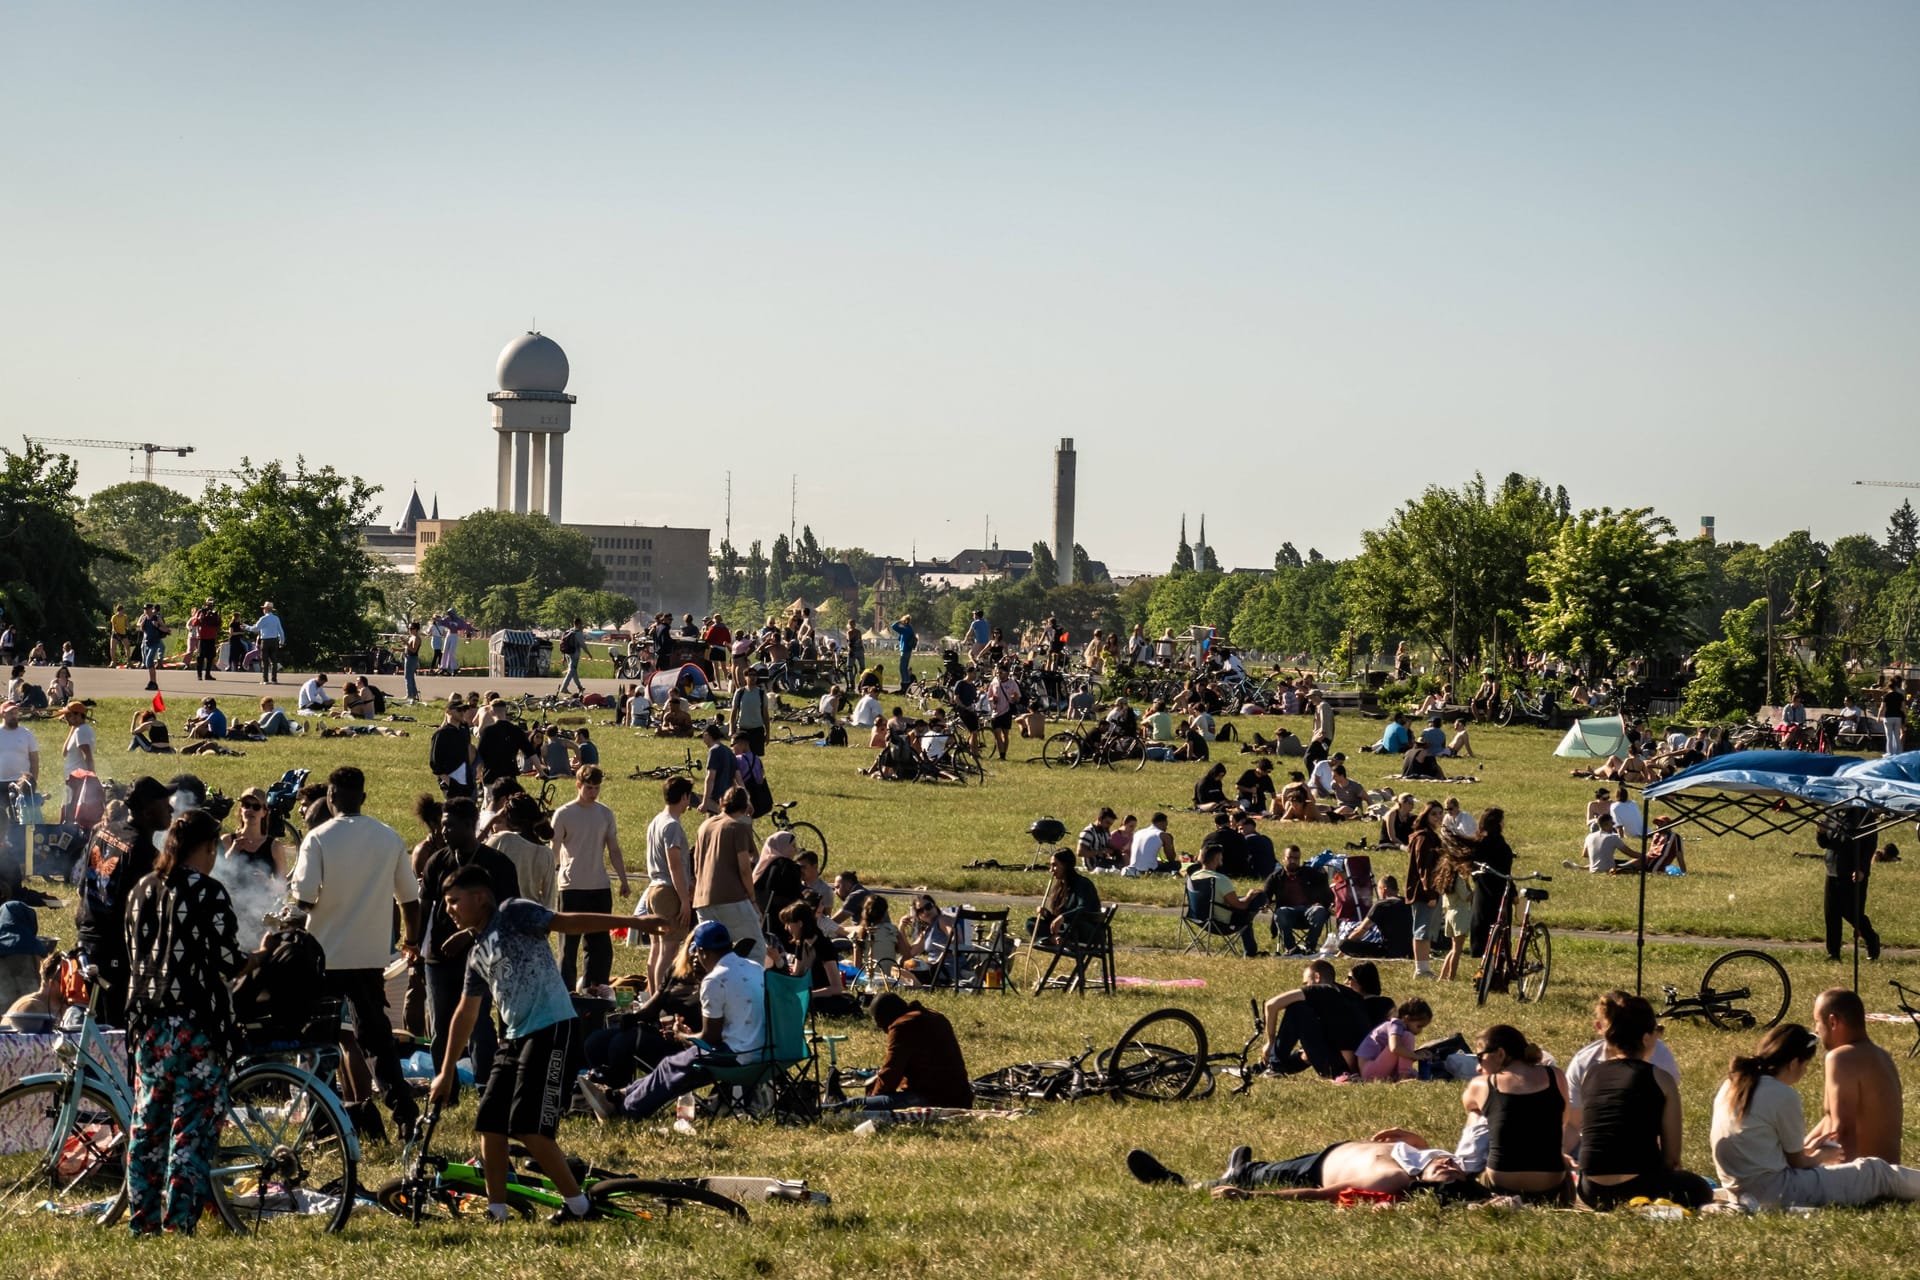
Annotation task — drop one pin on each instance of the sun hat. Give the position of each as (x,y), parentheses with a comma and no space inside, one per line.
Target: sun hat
(74,706)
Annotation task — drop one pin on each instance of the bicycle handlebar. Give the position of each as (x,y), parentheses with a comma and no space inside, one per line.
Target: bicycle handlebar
(1483,868)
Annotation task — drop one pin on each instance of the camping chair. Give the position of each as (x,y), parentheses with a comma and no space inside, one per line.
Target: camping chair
(1097,949)
(785,1072)
(1202,932)
(980,947)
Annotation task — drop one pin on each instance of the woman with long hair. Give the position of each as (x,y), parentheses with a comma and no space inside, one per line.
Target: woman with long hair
(182,951)
(1454,880)
(1424,858)
(809,955)
(1630,1119)
(1491,849)
(1523,1101)
(1760,1136)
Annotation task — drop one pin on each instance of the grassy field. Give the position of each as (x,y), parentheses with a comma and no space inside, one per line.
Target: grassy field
(1047,1194)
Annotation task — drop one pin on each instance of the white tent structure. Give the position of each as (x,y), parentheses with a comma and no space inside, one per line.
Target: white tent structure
(1595,738)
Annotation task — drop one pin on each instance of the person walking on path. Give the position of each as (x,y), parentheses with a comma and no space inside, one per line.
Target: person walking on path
(571,642)
(273,635)
(749,715)
(153,642)
(585,838)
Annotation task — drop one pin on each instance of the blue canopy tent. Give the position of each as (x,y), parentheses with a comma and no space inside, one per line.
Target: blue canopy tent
(1759,793)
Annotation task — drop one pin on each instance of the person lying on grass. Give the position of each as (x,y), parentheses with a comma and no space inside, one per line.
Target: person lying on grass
(1392,1162)
(511,960)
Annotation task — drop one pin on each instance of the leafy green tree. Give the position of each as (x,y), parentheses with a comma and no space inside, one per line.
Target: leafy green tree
(779,570)
(1730,674)
(45,556)
(143,523)
(595,608)
(1179,600)
(726,570)
(755,582)
(1287,557)
(1903,535)
(1613,583)
(1296,611)
(292,537)
(807,554)
(1451,565)
(1083,570)
(1183,554)
(1898,610)
(498,567)
(1081,607)
(1045,570)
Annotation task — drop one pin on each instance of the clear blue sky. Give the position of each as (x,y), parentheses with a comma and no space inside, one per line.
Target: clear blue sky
(1283,263)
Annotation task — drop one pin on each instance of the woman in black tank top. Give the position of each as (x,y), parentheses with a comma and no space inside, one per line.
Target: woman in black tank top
(1630,1118)
(1524,1102)
(251,849)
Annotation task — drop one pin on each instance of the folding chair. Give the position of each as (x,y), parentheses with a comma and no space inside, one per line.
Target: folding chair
(1097,949)
(782,1080)
(1203,933)
(981,945)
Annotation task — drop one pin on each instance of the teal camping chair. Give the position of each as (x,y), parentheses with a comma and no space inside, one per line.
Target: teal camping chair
(782,1080)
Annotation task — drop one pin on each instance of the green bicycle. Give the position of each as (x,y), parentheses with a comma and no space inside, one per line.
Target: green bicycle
(436,1187)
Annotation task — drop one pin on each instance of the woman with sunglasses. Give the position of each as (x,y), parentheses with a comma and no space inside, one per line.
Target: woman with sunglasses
(1523,1101)
(252,850)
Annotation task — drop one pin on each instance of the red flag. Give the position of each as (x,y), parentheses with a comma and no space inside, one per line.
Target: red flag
(159,703)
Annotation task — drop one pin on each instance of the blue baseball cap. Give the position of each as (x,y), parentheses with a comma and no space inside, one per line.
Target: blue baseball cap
(711,935)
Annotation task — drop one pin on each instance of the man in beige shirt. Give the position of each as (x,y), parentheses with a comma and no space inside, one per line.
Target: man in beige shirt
(723,871)
(585,838)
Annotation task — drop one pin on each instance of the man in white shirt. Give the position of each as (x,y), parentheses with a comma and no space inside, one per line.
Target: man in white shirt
(1321,779)
(868,712)
(1627,819)
(19,749)
(1152,849)
(669,892)
(585,837)
(314,695)
(732,1022)
(273,636)
(350,871)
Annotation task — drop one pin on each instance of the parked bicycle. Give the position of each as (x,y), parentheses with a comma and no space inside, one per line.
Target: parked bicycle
(805,834)
(1536,709)
(1743,990)
(1070,748)
(284,1152)
(1522,969)
(434,1186)
(1160,1058)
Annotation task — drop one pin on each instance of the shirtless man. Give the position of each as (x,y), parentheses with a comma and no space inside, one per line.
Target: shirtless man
(1862,1111)
(1392,1161)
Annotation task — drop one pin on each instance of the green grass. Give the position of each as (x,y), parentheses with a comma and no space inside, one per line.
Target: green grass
(1047,1195)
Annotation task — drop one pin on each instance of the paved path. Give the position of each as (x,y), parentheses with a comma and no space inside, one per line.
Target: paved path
(1027,902)
(180,685)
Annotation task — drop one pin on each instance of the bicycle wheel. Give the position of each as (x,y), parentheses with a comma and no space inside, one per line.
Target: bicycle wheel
(1535,964)
(284,1153)
(1159,1059)
(1061,751)
(646,1198)
(808,836)
(1139,756)
(1507,711)
(1492,965)
(80,1162)
(1745,991)
(400,1199)
(966,762)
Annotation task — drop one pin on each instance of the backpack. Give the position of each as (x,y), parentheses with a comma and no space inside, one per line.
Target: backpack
(755,781)
(277,998)
(837,736)
(570,642)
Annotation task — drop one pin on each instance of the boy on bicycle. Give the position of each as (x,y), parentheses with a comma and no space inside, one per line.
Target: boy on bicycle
(525,1094)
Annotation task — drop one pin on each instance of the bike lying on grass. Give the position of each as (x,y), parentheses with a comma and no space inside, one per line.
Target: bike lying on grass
(1743,990)
(437,1187)
(1160,1058)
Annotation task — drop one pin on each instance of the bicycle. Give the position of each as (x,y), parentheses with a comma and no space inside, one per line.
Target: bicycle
(690,768)
(1521,969)
(432,1186)
(1070,748)
(1160,1058)
(285,1148)
(1538,709)
(1742,990)
(805,834)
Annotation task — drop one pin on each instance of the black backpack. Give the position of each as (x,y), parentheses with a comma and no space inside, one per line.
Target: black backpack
(277,999)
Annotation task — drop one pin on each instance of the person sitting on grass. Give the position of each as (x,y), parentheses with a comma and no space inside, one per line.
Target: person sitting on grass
(1601,849)
(1418,764)
(1387,1054)
(149,732)
(1397,827)
(1153,852)
(1460,745)
(1256,786)
(1863,1107)
(358,698)
(809,955)
(923,1066)
(208,722)
(1666,848)
(1386,931)
(38,1012)
(1346,798)
(1210,792)
(1524,1103)
(876,940)
(511,961)
(1760,1146)
(1231,914)
(1394,739)
(273,721)
(1095,845)
(1393,1162)
(1295,801)
(1324,1021)
(1630,1135)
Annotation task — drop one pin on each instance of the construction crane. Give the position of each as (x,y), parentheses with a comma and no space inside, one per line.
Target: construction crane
(131,446)
(181,471)
(1891,484)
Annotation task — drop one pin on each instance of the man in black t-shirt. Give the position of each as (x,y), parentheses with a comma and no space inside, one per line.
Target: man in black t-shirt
(450,750)
(1256,787)
(500,746)
(1392,919)
(445,958)
(1324,1021)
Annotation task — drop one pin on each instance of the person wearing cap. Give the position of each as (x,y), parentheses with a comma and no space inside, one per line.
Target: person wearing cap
(450,750)
(273,634)
(21,950)
(208,722)
(119,853)
(732,1026)
(77,755)
(511,964)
